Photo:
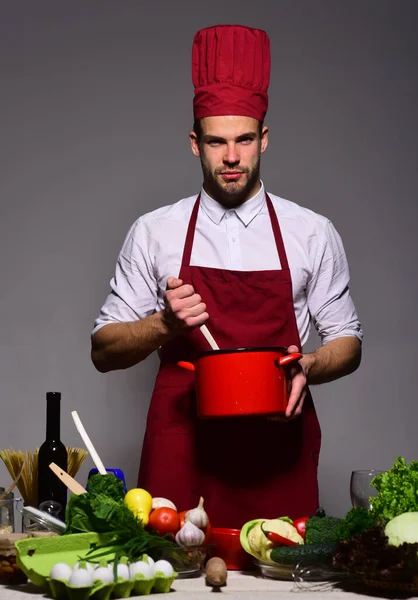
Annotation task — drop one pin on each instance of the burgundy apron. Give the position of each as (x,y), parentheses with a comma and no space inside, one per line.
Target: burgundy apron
(245,468)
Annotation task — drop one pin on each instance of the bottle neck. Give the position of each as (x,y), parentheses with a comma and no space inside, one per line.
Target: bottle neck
(53,414)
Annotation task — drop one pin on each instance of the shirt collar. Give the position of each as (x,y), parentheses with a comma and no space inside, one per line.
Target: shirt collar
(245,212)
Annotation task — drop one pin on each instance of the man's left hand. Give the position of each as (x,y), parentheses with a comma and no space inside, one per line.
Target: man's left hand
(298,387)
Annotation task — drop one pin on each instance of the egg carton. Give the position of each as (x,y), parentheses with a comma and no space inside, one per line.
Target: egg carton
(122,588)
(37,556)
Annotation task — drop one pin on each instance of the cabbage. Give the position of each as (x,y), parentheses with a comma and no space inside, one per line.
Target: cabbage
(403,528)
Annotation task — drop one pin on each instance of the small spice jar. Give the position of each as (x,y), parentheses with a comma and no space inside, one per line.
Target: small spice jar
(10,572)
(7,522)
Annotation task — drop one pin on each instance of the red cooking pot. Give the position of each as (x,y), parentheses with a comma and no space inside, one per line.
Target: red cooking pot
(241,381)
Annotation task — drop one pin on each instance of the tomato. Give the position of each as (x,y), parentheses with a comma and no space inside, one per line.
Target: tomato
(300,525)
(164,520)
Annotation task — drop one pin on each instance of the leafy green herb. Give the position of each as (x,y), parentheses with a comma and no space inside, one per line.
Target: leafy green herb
(79,516)
(107,514)
(397,490)
(356,521)
(108,484)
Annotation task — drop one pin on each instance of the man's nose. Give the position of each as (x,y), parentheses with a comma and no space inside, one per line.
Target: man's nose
(231,156)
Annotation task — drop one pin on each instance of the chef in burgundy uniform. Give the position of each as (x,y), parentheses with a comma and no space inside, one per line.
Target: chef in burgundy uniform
(257,269)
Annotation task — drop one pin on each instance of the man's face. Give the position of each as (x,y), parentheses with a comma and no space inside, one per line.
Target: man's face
(229,150)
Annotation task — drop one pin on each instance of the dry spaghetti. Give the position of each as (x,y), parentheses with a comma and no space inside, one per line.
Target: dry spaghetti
(28,481)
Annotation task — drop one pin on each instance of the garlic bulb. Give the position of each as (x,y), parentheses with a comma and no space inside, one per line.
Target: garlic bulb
(162,503)
(198,516)
(190,535)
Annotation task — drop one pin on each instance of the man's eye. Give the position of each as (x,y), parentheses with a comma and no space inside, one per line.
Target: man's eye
(214,144)
(246,141)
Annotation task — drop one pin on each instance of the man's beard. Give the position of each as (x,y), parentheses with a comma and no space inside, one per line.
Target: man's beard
(230,194)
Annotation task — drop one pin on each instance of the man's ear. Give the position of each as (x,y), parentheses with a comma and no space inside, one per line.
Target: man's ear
(194,143)
(264,139)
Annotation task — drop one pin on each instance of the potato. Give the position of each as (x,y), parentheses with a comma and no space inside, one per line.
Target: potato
(216,572)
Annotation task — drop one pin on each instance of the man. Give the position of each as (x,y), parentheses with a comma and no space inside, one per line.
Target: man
(257,269)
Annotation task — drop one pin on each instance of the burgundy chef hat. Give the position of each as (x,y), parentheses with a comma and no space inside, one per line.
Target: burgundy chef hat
(231,71)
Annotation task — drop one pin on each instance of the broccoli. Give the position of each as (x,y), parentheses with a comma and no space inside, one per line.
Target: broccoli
(320,530)
(356,521)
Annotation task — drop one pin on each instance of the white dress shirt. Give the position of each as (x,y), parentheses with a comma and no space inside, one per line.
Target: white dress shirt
(236,239)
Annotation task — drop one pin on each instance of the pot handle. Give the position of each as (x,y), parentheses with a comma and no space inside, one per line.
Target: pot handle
(289,359)
(186,365)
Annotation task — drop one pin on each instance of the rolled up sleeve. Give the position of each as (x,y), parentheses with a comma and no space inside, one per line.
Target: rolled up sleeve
(134,292)
(329,301)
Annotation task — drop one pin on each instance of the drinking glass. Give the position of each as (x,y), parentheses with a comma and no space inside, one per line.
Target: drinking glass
(360,488)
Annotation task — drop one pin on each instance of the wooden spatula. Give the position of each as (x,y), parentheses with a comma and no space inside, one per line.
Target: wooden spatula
(71,483)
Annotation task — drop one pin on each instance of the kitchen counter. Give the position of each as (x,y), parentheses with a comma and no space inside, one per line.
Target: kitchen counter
(239,586)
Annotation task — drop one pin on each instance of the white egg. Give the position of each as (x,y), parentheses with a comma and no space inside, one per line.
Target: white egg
(89,566)
(123,571)
(103,574)
(61,571)
(104,565)
(149,560)
(142,567)
(165,567)
(151,563)
(81,578)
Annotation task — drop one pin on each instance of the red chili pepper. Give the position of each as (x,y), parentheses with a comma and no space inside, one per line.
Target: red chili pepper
(276,538)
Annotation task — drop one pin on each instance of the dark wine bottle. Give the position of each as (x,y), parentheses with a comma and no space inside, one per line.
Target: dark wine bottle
(52,450)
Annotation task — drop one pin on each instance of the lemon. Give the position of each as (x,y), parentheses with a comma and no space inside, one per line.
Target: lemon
(139,501)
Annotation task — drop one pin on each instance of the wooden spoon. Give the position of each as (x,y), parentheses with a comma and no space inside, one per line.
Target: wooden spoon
(13,485)
(209,337)
(95,457)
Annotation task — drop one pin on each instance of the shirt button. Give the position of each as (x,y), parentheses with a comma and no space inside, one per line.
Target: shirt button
(234,240)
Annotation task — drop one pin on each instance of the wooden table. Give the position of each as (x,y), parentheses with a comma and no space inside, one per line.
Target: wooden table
(239,586)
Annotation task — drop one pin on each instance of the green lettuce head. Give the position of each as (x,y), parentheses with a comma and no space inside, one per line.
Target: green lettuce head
(397,490)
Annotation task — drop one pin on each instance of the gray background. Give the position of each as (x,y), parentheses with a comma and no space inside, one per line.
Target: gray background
(95,109)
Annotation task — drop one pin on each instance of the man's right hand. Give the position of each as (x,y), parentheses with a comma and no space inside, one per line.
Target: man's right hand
(184,308)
